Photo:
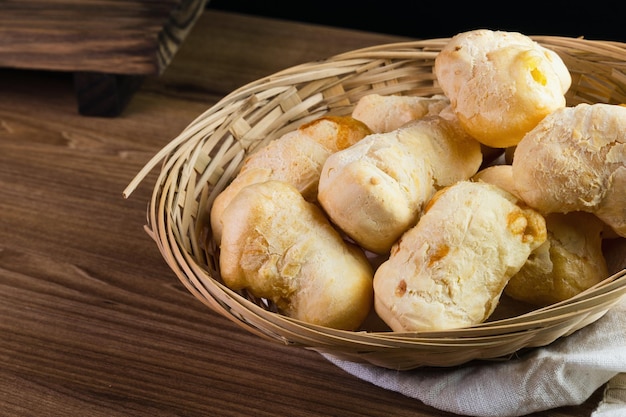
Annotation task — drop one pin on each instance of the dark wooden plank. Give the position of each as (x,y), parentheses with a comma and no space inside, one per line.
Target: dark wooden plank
(106,36)
(108,44)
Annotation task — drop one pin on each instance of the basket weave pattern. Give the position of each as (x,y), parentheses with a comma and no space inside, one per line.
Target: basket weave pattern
(200,162)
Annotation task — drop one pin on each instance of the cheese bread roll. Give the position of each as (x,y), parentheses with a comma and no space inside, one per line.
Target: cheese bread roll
(376,189)
(281,247)
(449,270)
(500,84)
(568,262)
(384,113)
(297,158)
(575,160)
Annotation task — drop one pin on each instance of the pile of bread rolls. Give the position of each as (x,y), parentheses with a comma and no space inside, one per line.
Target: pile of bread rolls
(395,209)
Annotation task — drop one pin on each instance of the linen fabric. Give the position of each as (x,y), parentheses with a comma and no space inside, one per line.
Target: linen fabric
(564,373)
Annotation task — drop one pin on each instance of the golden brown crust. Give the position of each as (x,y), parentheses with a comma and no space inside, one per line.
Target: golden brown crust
(335,132)
(500,84)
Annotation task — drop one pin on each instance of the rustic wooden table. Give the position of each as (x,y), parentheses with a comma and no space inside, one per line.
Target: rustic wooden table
(93,322)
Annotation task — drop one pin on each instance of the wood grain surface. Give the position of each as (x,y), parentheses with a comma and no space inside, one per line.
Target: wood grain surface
(92,321)
(107,36)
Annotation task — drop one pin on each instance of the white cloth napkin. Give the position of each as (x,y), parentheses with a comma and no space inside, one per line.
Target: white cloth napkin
(614,402)
(564,373)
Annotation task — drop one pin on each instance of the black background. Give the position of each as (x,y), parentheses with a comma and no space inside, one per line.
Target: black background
(425,20)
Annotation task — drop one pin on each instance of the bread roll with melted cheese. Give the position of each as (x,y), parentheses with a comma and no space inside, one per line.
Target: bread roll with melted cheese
(297,158)
(376,189)
(449,270)
(500,84)
(568,262)
(575,160)
(384,113)
(281,247)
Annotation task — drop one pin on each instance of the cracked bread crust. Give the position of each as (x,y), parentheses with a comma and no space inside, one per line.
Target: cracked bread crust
(500,84)
(376,189)
(296,157)
(281,247)
(575,160)
(449,270)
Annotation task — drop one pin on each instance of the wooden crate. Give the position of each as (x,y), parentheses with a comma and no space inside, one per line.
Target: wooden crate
(109,45)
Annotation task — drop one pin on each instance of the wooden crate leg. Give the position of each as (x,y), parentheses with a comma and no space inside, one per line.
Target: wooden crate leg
(104,95)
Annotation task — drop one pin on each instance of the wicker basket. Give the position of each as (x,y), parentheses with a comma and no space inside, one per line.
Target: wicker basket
(201,161)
